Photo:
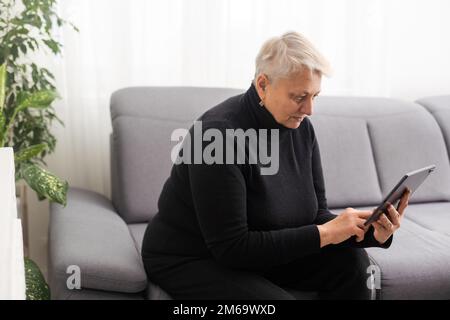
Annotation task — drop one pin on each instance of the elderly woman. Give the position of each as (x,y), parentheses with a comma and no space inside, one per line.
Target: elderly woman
(225,230)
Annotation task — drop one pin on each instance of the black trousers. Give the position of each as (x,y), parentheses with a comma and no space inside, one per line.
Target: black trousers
(335,273)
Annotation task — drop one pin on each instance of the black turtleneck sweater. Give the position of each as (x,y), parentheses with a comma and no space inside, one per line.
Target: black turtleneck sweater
(238,216)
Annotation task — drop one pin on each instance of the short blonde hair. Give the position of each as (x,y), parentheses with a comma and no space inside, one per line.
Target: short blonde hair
(280,57)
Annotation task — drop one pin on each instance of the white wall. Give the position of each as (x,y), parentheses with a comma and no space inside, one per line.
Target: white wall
(391,48)
(12,271)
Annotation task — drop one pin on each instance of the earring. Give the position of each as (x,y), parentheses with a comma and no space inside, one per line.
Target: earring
(261,103)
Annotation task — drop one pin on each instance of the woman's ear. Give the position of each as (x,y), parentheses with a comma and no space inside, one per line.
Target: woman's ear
(261,84)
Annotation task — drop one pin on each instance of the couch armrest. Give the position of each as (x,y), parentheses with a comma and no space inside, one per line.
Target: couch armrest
(88,233)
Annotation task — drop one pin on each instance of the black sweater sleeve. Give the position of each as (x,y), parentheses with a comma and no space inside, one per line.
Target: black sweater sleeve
(219,193)
(324,215)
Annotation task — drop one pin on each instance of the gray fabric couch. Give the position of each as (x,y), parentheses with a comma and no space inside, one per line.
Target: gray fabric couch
(367,144)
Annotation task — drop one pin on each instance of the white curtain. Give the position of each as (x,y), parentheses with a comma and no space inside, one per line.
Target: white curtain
(374,47)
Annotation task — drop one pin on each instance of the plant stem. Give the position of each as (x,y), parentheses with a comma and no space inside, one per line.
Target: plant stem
(9,5)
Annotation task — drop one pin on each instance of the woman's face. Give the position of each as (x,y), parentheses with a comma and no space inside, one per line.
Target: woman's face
(290,100)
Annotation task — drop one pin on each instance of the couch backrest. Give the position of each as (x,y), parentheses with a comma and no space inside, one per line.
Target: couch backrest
(367,144)
(439,107)
(143,120)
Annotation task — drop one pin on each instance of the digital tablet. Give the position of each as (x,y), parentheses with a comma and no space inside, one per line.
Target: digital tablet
(410,181)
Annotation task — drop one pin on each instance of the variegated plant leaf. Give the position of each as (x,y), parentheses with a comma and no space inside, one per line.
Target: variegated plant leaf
(2,85)
(44,183)
(40,99)
(29,153)
(2,129)
(36,287)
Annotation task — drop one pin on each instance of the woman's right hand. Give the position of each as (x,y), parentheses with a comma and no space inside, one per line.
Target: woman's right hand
(347,224)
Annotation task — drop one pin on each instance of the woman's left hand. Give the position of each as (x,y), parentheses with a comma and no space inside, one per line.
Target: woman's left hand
(384,226)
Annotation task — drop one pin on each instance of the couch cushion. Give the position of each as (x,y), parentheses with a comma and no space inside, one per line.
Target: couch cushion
(414,141)
(141,153)
(440,109)
(437,104)
(89,234)
(143,120)
(398,130)
(137,231)
(347,160)
(172,103)
(153,291)
(416,266)
(432,216)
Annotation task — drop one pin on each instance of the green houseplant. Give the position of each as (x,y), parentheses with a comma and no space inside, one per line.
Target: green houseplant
(27,92)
